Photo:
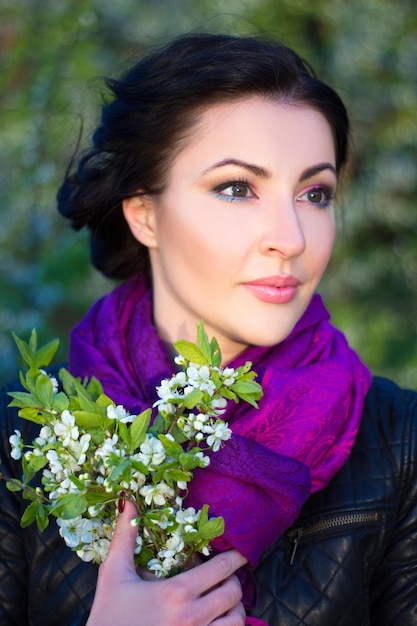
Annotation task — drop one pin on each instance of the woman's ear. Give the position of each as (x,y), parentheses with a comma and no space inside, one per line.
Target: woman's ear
(139,213)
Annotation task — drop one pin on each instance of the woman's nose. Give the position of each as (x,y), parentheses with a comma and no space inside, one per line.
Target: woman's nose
(282,232)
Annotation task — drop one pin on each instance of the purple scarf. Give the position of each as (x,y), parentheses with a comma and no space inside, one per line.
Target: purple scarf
(314,388)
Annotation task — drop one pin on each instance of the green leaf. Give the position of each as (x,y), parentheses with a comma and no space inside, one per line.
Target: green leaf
(188,461)
(248,399)
(44,390)
(88,419)
(29,516)
(122,430)
(60,402)
(192,399)
(191,352)
(84,401)
(103,402)
(179,435)
(45,354)
(69,383)
(95,388)
(138,429)
(70,506)
(243,369)
(14,485)
(246,386)
(37,463)
(203,517)
(97,435)
(42,518)
(23,399)
(212,529)
(139,466)
(177,474)
(248,390)
(28,354)
(216,355)
(77,482)
(142,559)
(33,340)
(32,415)
(23,382)
(203,341)
(171,447)
(160,471)
(227,393)
(120,470)
(31,376)
(98,497)
(158,426)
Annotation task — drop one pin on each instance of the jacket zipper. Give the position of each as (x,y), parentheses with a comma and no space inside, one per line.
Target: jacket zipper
(335,522)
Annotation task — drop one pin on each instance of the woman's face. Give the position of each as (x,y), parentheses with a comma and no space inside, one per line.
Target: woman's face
(245,227)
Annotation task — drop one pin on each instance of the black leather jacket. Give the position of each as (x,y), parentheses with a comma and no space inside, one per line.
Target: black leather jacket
(350,560)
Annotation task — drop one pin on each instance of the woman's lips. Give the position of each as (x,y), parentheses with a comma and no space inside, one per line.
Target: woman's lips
(274,289)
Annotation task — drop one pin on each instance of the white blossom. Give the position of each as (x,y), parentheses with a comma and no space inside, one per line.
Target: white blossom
(54,461)
(16,444)
(204,460)
(46,436)
(173,545)
(229,376)
(66,429)
(199,378)
(70,530)
(138,544)
(119,413)
(217,433)
(95,551)
(108,447)
(157,494)
(79,448)
(152,451)
(218,406)
(187,516)
(163,567)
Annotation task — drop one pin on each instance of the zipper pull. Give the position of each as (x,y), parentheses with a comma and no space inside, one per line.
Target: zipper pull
(295,544)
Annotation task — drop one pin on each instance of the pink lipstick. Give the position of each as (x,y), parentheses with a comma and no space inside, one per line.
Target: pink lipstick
(274,289)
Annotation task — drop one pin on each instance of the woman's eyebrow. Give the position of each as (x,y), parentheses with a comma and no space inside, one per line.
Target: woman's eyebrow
(316,169)
(255,169)
(261,172)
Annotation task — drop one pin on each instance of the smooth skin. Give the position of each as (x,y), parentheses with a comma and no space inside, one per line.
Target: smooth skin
(249,197)
(207,594)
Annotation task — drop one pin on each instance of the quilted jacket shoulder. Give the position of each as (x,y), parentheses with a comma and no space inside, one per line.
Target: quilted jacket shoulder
(351,558)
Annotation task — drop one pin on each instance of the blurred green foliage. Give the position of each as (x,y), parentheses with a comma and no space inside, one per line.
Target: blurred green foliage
(50,54)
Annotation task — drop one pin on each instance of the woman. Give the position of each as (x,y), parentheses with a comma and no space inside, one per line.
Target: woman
(210,186)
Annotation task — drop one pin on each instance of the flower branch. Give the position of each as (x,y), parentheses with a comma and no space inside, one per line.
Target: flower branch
(90,453)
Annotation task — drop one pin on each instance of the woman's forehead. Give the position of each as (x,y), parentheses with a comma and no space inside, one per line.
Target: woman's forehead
(244,128)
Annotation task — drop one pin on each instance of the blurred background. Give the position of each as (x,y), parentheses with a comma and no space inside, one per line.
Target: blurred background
(52,54)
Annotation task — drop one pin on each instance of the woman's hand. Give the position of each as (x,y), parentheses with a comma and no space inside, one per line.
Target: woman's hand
(206,594)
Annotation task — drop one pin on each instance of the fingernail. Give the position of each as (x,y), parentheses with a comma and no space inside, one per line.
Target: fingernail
(121,503)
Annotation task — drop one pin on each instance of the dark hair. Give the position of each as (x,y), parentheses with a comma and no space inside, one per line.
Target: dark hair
(149,116)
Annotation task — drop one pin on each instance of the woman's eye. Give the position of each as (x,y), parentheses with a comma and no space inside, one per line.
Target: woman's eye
(319,196)
(234,191)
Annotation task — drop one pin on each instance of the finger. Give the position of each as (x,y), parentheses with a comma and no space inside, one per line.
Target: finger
(123,542)
(203,577)
(235,617)
(220,600)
